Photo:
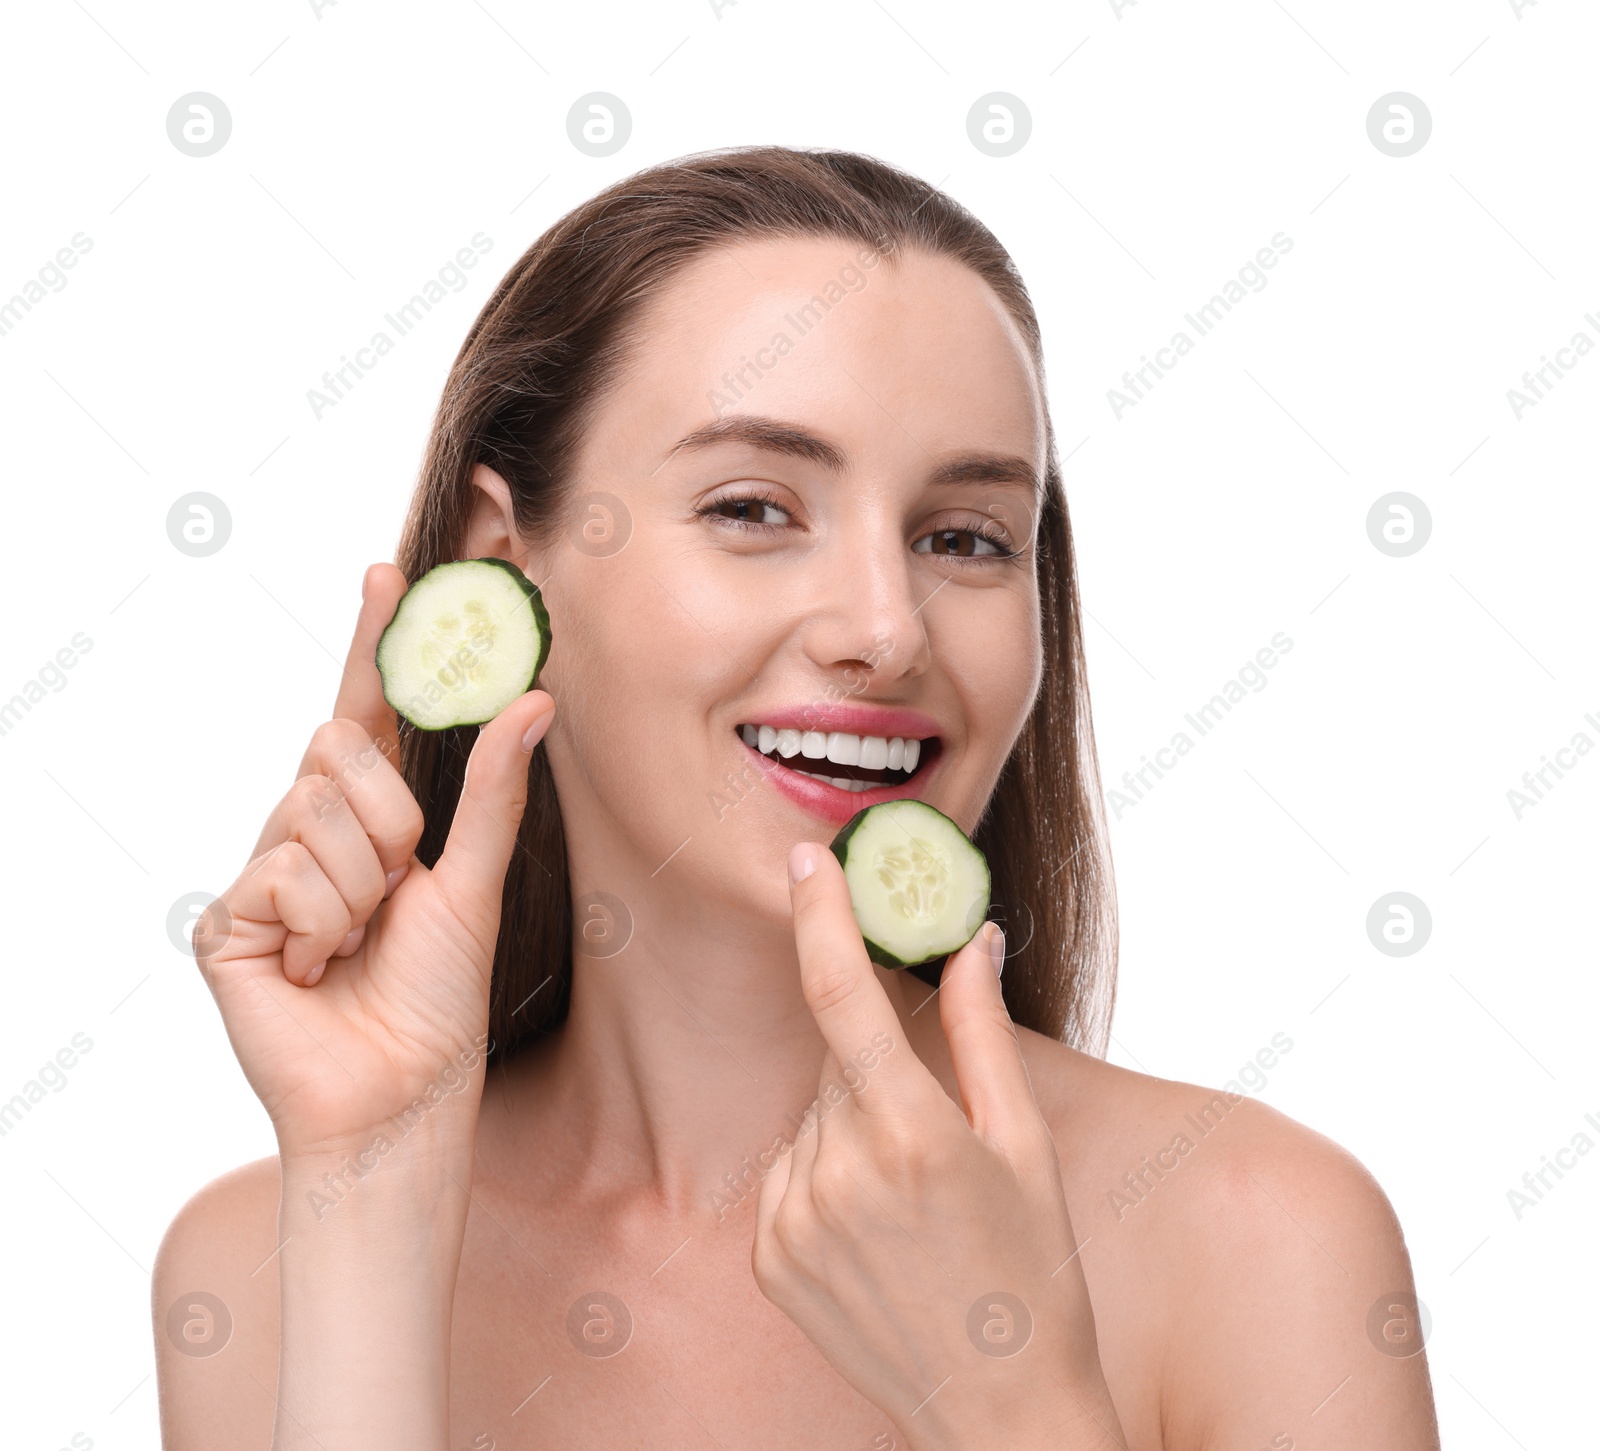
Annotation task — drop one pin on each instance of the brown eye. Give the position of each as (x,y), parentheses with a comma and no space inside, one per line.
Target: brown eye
(750,510)
(960,543)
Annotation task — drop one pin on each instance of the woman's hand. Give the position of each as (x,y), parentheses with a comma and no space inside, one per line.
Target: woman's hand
(929,1252)
(352,980)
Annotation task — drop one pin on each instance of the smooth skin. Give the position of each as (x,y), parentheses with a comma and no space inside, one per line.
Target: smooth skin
(455,1288)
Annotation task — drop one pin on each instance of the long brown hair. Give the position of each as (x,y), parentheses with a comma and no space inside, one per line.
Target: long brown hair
(537,361)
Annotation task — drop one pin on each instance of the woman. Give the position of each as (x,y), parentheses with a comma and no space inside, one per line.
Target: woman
(596,1125)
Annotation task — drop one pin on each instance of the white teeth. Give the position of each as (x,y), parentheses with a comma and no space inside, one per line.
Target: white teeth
(844,750)
(844,783)
(873,753)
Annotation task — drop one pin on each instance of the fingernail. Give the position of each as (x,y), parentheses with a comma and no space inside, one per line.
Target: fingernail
(315,975)
(802,861)
(997,947)
(531,737)
(394,879)
(352,940)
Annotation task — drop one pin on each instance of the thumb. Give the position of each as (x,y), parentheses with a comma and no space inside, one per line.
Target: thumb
(471,871)
(985,1050)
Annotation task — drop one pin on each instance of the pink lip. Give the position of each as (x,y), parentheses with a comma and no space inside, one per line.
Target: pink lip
(831,803)
(851,718)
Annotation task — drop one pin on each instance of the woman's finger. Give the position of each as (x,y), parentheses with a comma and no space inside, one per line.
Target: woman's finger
(471,872)
(358,778)
(283,902)
(773,1187)
(984,1048)
(808,1138)
(315,813)
(841,988)
(360,695)
(792,1171)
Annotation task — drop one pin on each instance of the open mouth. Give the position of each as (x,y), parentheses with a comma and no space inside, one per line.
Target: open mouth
(849,762)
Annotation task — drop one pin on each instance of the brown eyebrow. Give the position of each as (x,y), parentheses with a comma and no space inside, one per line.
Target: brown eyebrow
(776,436)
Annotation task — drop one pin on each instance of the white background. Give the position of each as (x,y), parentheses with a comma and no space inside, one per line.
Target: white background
(1169,143)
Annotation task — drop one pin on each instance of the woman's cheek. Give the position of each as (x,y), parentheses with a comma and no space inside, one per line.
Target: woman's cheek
(648,680)
(992,651)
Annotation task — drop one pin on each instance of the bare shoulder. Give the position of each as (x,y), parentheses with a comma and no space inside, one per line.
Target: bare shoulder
(214,1303)
(1137,1119)
(1264,1257)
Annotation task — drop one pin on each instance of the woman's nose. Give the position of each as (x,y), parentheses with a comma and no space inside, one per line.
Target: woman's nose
(867,610)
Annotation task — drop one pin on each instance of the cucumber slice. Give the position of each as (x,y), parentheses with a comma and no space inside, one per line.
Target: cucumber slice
(919,888)
(468,638)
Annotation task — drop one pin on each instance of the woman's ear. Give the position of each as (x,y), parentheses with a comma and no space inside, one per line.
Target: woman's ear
(492,526)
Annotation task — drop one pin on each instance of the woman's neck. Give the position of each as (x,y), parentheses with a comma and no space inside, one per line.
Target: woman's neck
(684,1059)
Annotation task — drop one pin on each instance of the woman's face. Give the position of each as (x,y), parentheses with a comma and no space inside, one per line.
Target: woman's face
(794,511)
